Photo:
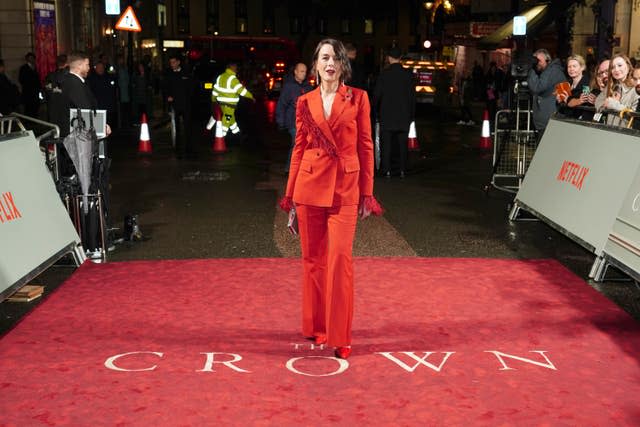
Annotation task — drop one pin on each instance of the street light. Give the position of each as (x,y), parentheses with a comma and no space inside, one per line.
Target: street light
(432,7)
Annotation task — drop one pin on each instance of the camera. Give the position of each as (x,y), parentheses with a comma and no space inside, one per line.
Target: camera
(521,63)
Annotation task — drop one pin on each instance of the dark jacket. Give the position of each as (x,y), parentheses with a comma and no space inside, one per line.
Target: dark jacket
(542,87)
(394,98)
(103,87)
(179,85)
(75,94)
(9,95)
(30,82)
(53,95)
(286,107)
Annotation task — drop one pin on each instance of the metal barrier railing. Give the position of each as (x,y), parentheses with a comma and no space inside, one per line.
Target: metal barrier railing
(14,123)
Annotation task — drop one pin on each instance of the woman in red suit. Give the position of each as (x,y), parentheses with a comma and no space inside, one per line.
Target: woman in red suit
(331,184)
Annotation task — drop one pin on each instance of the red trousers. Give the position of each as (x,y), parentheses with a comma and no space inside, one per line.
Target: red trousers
(326,239)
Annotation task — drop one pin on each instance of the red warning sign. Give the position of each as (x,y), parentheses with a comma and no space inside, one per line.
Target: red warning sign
(128,21)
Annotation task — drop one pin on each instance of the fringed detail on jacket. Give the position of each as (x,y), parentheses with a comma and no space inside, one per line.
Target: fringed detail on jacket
(370,204)
(286,203)
(318,139)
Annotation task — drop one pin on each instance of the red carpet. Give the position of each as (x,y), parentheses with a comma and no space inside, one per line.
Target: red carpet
(455,319)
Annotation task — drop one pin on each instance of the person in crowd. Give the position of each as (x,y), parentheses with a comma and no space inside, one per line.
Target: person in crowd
(75,89)
(124,92)
(30,83)
(53,91)
(103,87)
(9,100)
(580,89)
(331,184)
(178,89)
(141,91)
(599,81)
(394,100)
(226,93)
(294,86)
(477,74)
(465,95)
(358,78)
(542,80)
(636,78)
(620,74)
(494,81)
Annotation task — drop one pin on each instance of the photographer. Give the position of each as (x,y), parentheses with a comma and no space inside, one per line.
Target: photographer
(542,80)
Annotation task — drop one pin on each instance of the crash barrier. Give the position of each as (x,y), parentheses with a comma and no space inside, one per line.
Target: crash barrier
(513,148)
(35,228)
(50,132)
(580,182)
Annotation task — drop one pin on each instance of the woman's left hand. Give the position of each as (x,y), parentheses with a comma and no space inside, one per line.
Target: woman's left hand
(369,205)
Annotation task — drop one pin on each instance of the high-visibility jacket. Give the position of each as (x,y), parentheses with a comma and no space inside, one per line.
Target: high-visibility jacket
(228,89)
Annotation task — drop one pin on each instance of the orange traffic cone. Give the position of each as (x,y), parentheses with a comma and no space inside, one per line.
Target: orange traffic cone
(412,142)
(144,147)
(485,137)
(219,146)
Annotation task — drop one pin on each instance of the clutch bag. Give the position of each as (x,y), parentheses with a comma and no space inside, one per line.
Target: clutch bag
(292,224)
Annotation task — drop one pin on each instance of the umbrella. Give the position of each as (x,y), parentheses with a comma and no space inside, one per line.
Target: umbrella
(172,115)
(80,145)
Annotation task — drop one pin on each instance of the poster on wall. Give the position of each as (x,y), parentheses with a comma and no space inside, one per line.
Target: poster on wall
(44,30)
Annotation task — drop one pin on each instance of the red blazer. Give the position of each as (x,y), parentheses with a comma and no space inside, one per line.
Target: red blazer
(332,161)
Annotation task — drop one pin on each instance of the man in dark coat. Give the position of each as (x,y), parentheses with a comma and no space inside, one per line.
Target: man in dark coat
(358,78)
(294,86)
(9,93)
(178,89)
(75,90)
(53,92)
(30,83)
(394,100)
(103,87)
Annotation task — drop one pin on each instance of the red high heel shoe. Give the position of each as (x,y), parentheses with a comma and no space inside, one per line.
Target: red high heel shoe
(320,339)
(343,352)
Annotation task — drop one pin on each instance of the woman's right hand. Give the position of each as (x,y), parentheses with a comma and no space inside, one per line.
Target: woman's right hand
(591,98)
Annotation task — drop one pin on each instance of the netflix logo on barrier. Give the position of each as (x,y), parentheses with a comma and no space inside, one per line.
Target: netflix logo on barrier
(8,209)
(573,173)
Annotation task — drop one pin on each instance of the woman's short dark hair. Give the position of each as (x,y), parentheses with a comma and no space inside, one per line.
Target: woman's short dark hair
(341,56)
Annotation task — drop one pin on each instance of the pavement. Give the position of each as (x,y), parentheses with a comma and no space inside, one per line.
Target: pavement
(224,205)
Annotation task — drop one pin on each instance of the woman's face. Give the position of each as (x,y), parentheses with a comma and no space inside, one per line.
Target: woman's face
(328,67)
(619,69)
(574,69)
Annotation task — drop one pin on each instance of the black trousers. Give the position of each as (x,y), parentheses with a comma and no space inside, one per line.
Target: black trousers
(393,139)
(183,133)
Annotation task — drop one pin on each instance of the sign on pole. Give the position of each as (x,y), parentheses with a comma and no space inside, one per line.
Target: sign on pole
(128,21)
(112,7)
(519,25)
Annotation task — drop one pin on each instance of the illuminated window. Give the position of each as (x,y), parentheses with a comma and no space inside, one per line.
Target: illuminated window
(323,24)
(368,26)
(268,19)
(213,16)
(183,17)
(242,21)
(295,25)
(345,26)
